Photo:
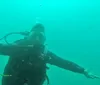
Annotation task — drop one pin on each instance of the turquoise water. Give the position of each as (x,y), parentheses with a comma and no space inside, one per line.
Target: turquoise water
(72,31)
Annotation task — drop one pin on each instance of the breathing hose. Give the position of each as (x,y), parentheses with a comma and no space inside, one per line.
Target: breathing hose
(21,33)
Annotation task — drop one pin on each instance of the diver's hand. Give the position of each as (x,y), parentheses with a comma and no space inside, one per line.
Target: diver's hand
(90,75)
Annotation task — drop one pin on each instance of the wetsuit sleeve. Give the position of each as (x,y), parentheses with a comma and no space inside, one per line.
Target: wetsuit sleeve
(13,48)
(65,64)
(7,49)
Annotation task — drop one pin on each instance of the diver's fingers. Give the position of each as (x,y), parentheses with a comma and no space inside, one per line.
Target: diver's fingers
(95,77)
(92,77)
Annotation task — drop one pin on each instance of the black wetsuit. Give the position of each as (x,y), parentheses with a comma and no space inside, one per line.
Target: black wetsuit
(25,65)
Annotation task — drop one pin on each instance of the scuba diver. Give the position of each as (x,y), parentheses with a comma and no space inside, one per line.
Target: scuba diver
(28,58)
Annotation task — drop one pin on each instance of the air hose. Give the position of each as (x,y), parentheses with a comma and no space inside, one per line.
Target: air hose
(21,33)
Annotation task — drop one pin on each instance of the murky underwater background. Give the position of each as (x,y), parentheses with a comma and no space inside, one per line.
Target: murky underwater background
(72,31)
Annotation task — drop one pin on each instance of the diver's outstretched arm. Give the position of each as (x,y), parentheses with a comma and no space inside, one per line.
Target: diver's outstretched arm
(68,65)
(7,49)
(12,49)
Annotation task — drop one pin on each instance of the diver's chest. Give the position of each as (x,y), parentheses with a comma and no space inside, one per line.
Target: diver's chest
(27,63)
(28,59)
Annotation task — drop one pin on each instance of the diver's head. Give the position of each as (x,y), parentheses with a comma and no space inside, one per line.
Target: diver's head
(38,28)
(37,34)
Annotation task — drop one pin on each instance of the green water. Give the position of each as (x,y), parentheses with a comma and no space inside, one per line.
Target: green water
(72,31)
